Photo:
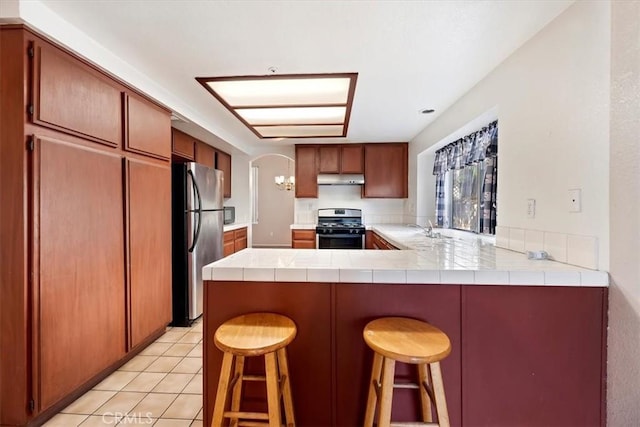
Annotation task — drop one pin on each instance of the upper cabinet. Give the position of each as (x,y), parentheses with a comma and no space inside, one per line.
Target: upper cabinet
(385,170)
(148,128)
(223,163)
(205,154)
(306,171)
(385,167)
(182,146)
(72,97)
(340,159)
(351,158)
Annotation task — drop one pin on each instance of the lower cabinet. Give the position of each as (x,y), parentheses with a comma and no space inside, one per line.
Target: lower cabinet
(374,241)
(533,355)
(149,223)
(303,239)
(234,241)
(79,277)
(520,355)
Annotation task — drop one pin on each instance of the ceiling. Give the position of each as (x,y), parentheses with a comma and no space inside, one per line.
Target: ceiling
(409,55)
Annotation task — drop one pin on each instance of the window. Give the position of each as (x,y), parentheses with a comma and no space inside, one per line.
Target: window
(466,182)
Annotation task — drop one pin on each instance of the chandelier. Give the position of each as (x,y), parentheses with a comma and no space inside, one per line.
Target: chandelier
(285,183)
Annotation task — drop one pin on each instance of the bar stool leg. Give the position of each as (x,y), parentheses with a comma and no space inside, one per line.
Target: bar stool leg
(273,389)
(425,400)
(283,366)
(386,394)
(223,386)
(438,391)
(376,370)
(236,395)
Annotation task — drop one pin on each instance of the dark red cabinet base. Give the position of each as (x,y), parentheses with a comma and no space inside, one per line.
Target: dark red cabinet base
(521,355)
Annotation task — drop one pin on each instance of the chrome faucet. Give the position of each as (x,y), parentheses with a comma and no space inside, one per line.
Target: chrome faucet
(428,230)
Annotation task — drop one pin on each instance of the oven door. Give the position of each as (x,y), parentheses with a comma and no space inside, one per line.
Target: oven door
(340,241)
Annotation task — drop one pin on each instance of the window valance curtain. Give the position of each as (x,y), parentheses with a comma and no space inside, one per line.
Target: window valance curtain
(471,149)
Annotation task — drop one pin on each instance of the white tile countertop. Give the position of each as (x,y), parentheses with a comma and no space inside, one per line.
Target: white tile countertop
(235,226)
(462,259)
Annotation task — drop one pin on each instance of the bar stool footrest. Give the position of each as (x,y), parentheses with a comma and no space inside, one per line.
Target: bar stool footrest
(414,424)
(246,415)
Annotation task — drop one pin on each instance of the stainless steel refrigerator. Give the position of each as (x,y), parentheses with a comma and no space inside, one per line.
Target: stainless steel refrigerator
(198,217)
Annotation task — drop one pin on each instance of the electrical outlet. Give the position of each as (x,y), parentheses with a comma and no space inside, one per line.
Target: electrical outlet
(531,208)
(575,200)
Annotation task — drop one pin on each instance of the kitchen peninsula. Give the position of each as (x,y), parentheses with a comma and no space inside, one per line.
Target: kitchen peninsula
(528,337)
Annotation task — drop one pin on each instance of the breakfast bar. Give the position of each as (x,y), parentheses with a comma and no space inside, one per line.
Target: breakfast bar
(528,337)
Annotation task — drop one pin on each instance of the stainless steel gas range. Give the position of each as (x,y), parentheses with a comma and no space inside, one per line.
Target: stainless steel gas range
(340,229)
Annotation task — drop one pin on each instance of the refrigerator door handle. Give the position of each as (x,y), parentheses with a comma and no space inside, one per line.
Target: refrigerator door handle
(197,212)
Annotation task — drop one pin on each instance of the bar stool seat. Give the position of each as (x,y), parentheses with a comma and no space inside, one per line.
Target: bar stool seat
(254,334)
(401,339)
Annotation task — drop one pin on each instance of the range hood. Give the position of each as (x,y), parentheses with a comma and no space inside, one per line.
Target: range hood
(342,179)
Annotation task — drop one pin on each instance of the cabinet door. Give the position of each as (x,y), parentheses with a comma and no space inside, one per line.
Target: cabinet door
(533,355)
(352,159)
(223,163)
(72,97)
(79,289)
(229,243)
(329,159)
(205,154)
(182,145)
(355,306)
(148,128)
(240,239)
(306,171)
(303,239)
(149,251)
(385,170)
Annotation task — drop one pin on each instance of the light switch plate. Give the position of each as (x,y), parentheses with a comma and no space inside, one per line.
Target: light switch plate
(575,200)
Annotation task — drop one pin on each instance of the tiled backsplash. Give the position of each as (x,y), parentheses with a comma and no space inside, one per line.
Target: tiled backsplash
(566,248)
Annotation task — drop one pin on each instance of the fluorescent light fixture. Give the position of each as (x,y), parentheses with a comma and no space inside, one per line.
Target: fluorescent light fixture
(288,106)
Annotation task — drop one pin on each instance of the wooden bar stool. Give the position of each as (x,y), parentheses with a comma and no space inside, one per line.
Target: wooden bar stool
(409,341)
(254,334)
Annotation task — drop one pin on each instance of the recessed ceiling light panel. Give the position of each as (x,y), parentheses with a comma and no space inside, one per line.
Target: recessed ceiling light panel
(318,103)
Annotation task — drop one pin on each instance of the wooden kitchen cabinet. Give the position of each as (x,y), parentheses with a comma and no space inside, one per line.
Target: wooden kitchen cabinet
(223,163)
(85,184)
(306,171)
(205,154)
(240,239)
(385,170)
(183,146)
(147,128)
(336,158)
(355,306)
(71,97)
(309,354)
(234,241)
(352,158)
(303,239)
(149,224)
(540,350)
(79,276)
(374,241)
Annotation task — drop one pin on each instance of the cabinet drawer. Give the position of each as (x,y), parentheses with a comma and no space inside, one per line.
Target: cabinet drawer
(241,233)
(304,235)
(303,244)
(228,236)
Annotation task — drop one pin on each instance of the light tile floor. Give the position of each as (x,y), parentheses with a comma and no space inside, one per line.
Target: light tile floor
(160,387)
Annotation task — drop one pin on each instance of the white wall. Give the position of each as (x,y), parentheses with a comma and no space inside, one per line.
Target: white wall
(552,96)
(275,206)
(623,381)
